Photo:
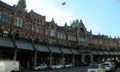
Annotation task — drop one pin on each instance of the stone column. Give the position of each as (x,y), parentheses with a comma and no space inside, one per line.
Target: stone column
(73,59)
(83,57)
(50,59)
(91,58)
(15,54)
(63,59)
(35,58)
(28,63)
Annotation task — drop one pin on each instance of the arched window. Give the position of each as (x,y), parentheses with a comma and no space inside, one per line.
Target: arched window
(82,30)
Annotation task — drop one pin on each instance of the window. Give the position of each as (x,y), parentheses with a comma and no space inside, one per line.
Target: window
(52,33)
(7,20)
(26,26)
(46,32)
(58,35)
(1,16)
(18,22)
(64,36)
(37,30)
(61,36)
(69,37)
(33,28)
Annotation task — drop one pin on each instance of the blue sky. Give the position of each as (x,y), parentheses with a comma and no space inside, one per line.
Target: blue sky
(100,16)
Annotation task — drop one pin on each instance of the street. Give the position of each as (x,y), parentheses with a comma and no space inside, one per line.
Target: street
(74,69)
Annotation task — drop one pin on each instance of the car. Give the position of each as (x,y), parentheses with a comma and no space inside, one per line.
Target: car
(69,65)
(40,67)
(83,64)
(109,66)
(115,62)
(58,66)
(94,67)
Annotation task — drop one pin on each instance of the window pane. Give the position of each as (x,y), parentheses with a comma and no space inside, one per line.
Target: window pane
(33,28)
(1,16)
(8,20)
(27,26)
(18,22)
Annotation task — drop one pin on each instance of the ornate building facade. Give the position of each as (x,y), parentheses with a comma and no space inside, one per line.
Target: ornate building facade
(30,39)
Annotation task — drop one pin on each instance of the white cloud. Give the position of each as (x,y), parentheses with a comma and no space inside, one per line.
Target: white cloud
(48,9)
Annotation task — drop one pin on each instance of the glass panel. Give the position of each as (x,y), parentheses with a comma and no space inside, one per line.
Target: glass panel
(27,26)
(7,19)
(1,16)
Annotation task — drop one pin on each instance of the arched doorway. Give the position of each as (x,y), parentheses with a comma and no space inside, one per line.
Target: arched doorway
(87,59)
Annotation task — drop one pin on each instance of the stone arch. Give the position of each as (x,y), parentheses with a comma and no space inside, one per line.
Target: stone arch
(82,30)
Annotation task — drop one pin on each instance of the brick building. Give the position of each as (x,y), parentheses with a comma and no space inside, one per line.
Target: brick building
(30,39)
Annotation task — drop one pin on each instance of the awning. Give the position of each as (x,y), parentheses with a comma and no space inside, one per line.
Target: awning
(24,45)
(115,53)
(100,53)
(94,53)
(41,48)
(66,51)
(119,53)
(106,53)
(77,52)
(6,43)
(111,53)
(55,50)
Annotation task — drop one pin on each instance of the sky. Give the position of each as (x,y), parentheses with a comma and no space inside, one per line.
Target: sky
(100,16)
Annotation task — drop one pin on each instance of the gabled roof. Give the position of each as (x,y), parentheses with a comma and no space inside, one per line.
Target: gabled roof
(61,28)
(36,14)
(5,5)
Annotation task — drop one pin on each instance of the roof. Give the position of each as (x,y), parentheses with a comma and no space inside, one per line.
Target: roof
(5,5)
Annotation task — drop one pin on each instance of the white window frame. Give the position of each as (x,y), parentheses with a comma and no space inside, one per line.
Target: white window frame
(52,33)
(18,22)
(33,28)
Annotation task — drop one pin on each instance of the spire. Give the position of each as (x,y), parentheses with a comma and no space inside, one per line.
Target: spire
(65,24)
(22,3)
(52,21)
(81,22)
